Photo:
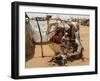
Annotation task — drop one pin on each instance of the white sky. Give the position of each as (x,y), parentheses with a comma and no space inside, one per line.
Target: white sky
(62,16)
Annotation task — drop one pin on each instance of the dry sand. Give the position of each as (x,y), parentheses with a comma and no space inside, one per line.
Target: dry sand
(38,61)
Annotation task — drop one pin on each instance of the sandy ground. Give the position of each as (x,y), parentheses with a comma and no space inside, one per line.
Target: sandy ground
(49,49)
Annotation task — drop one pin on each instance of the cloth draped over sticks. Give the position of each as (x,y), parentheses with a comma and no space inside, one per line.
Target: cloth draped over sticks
(58,36)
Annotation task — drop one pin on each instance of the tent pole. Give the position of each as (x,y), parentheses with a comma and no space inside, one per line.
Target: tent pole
(40,36)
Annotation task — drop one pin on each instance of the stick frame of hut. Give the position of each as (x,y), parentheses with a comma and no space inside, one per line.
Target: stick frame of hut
(48,18)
